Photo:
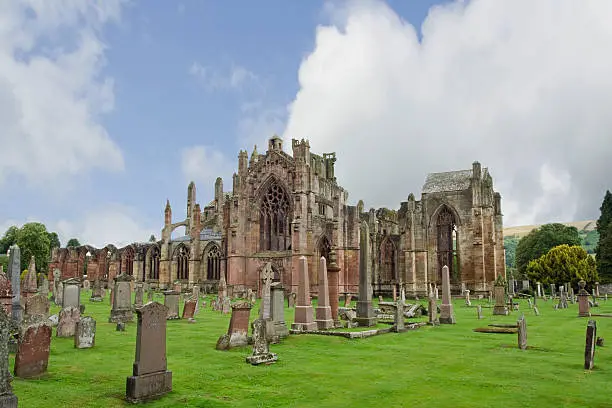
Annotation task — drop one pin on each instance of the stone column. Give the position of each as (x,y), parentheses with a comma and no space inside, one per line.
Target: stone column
(303,310)
(14,274)
(324,317)
(447,316)
(365,312)
(333,271)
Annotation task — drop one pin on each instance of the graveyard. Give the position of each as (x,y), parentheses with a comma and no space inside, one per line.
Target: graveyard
(445,365)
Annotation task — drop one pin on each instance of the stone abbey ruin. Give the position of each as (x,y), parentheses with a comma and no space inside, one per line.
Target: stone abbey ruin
(282,207)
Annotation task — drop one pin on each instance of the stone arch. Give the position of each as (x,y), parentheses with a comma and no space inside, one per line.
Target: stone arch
(128,254)
(211,260)
(181,257)
(387,261)
(323,247)
(152,259)
(275,209)
(444,230)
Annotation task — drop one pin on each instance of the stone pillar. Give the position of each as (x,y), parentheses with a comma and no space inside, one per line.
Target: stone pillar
(333,272)
(324,317)
(447,316)
(365,312)
(14,274)
(583,301)
(303,310)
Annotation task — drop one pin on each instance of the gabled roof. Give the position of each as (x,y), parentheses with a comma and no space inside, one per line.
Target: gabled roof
(448,181)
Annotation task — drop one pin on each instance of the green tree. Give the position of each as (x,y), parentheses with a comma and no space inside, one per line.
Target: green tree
(510,244)
(33,239)
(603,254)
(4,262)
(10,237)
(54,240)
(563,264)
(73,242)
(541,240)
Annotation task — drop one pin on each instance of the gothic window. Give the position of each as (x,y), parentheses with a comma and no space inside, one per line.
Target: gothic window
(274,231)
(213,263)
(182,263)
(446,237)
(387,261)
(324,248)
(154,263)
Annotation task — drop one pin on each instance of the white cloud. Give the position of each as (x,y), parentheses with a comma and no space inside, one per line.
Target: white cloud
(522,86)
(52,92)
(236,77)
(258,123)
(202,165)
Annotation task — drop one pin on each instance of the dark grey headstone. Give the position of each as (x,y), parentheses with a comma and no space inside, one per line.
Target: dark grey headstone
(589,350)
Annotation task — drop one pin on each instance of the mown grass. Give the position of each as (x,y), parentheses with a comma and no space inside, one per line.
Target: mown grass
(431,366)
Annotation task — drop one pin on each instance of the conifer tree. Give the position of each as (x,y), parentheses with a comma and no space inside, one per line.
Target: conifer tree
(604,247)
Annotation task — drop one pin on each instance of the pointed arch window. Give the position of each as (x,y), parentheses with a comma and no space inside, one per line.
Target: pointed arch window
(129,261)
(154,263)
(182,263)
(446,238)
(387,261)
(274,231)
(213,263)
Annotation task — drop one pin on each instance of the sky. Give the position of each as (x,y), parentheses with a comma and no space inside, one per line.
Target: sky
(108,107)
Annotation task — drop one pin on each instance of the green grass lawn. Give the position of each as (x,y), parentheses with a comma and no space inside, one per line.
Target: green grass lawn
(433,366)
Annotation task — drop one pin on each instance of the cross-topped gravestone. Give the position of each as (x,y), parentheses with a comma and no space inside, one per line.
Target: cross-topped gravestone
(267,274)
(7,398)
(261,348)
(150,378)
(584,309)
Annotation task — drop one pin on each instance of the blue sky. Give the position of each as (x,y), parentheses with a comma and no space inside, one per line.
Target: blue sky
(163,92)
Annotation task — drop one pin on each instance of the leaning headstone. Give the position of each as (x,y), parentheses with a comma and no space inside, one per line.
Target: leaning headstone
(530,303)
(583,300)
(479,311)
(303,310)
(7,398)
(68,318)
(399,323)
(261,348)
(589,350)
(150,378)
(171,301)
(122,300)
(32,356)
(522,333)
(85,336)
(237,333)
(14,274)
(536,310)
(365,312)
(189,308)
(72,293)
(432,311)
(323,312)
(447,315)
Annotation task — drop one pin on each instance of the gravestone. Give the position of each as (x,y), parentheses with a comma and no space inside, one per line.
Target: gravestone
(72,293)
(447,315)
(36,308)
(365,312)
(7,398)
(267,274)
(138,295)
(150,378)
(68,318)
(261,348)
(97,292)
(14,274)
(6,299)
(536,310)
(553,292)
(432,311)
(189,308)
(468,302)
(589,350)
(171,301)
(479,311)
(226,305)
(323,312)
(399,323)
(522,333)
(500,297)
(279,327)
(57,276)
(121,298)
(539,289)
(530,303)
(584,309)
(562,298)
(237,333)
(291,299)
(44,287)
(303,319)
(59,296)
(32,356)
(571,295)
(85,336)
(86,284)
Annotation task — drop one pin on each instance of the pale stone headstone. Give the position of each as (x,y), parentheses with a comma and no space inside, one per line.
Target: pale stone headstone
(522,333)
(261,348)
(97,292)
(86,284)
(32,356)
(530,303)
(7,398)
(323,312)
(583,301)
(553,292)
(432,311)
(30,283)
(571,295)
(44,287)
(267,274)
(447,315)
(171,302)
(365,312)
(72,293)
(536,310)
(59,294)
(279,327)
(150,378)
(539,289)
(14,274)
(138,295)
(226,305)
(468,302)
(479,311)
(436,292)
(303,310)
(68,318)
(399,322)
(85,336)
(121,300)
(562,298)
(589,350)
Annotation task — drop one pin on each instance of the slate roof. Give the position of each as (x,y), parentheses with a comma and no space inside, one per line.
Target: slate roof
(448,181)
(206,234)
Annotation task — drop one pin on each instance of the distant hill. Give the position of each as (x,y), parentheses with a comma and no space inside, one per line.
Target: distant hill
(521,231)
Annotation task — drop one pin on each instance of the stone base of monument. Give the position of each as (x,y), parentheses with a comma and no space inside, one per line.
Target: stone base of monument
(325,324)
(146,387)
(500,311)
(446,314)
(265,358)
(280,329)
(121,315)
(304,326)
(365,321)
(8,401)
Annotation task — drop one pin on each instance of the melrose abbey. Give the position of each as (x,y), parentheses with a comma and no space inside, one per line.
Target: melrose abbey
(282,207)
